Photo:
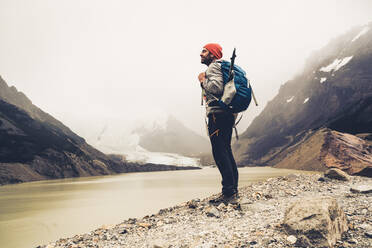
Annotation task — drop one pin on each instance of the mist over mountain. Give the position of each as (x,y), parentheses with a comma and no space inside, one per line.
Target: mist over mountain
(36,146)
(157,138)
(334,91)
(172,137)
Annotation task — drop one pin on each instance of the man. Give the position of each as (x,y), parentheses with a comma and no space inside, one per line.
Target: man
(220,122)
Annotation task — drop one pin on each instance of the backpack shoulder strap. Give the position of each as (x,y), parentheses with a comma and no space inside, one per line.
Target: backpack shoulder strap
(236,123)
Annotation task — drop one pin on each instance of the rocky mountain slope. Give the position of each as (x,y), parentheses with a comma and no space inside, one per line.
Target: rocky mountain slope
(326,148)
(36,146)
(334,91)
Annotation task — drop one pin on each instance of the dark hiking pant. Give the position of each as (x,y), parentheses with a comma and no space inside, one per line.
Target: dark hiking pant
(220,127)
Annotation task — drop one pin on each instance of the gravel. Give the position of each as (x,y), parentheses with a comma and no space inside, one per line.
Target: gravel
(255,221)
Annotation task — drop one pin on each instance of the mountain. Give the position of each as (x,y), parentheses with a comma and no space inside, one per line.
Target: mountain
(36,146)
(334,91)
(171,137)
(155,138)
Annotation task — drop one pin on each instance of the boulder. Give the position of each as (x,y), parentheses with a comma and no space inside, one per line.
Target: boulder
(338,174)
(292,239)
(316,222)
(193,203)
(212,212)
(364,189)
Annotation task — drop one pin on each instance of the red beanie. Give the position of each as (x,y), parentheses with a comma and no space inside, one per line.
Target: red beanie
(215,49)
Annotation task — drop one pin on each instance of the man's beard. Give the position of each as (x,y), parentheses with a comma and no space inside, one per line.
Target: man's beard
(207,60)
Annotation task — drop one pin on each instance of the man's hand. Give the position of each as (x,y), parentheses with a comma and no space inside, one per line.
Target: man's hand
(201,77)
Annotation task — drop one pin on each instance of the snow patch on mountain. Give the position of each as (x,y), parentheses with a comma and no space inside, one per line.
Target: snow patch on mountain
(343,62)
(290,99)
(336,64)
(323,79)
(307,99)
(362,32)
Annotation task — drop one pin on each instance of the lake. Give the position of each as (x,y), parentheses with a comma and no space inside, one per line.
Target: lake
(36,213)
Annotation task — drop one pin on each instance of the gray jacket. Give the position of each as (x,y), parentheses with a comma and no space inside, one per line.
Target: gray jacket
(213,87)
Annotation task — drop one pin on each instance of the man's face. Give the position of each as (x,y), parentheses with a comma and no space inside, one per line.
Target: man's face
(206,57)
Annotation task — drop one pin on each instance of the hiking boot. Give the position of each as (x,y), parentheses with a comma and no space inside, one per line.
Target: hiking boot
(234,199)
(219,199)
(225,199)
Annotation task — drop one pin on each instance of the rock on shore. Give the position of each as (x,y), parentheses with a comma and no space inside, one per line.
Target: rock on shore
(257,220)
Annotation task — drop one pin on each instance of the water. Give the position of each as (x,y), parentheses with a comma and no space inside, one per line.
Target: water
(36,213)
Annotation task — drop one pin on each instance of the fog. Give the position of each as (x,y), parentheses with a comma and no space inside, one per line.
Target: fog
(91,62)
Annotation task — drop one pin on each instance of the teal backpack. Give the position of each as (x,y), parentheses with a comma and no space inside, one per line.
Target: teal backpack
(237,94)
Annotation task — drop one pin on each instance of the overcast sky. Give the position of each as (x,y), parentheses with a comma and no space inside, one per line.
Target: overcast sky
(87,62)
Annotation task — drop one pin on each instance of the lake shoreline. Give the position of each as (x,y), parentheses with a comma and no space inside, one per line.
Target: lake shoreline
(133,168)
(257,222)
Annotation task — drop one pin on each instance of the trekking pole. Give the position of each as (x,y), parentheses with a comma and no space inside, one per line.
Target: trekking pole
(231,75)
(253,96)
(232,59)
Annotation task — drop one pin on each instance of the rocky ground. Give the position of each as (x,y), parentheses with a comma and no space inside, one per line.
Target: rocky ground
(255,221)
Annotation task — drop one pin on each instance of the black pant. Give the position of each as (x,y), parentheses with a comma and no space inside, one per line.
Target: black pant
(220,130)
